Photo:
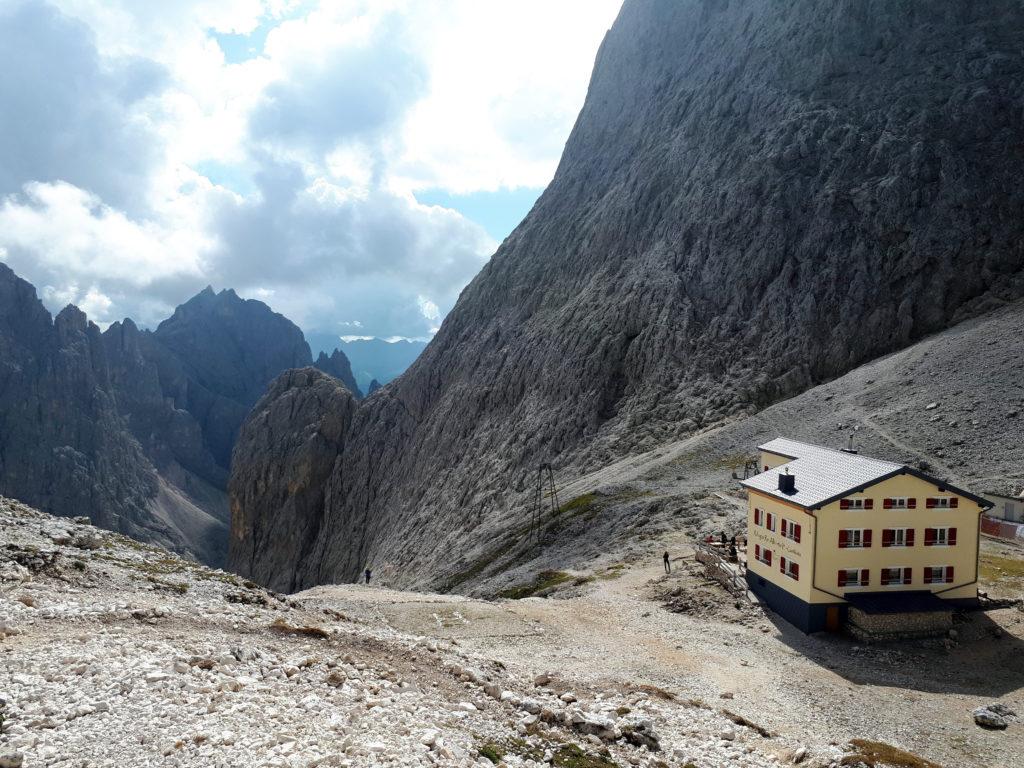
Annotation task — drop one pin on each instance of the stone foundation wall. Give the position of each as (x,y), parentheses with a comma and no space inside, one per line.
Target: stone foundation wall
(897,626)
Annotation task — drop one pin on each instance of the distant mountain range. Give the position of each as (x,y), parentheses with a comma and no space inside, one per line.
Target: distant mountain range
(371,358)
(134,428)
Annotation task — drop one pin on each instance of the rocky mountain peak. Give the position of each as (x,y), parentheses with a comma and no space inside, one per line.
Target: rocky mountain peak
(337,365)
(71,320)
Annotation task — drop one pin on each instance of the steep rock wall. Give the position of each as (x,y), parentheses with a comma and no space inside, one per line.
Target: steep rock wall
(755,197)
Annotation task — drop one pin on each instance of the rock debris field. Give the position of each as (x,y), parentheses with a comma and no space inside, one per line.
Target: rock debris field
(117,653)
(120,654)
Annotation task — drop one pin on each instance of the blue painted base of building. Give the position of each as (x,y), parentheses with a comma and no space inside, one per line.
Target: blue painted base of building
(806,617)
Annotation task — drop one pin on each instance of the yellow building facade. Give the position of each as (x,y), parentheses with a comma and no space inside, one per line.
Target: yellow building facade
(826,529)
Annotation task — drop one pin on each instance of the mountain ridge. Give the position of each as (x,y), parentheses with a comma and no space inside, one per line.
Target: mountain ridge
(135,428)
(753,199)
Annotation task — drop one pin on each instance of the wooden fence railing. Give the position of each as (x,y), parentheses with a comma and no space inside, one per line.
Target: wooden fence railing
(717,567)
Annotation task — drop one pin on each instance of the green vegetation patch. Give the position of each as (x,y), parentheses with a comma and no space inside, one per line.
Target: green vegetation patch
(998,570)
(612,572)
(572,756)
(581,505)
(492,752)
(544,580)
(565,755)
(880,755)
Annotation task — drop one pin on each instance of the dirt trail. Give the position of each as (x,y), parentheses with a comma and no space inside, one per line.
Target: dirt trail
(614,634)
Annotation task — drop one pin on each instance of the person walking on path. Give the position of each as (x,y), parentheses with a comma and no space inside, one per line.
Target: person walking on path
(668,563)
(367,575)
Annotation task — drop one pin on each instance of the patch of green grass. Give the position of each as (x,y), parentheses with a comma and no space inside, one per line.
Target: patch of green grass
(998,570)
(572,756)
(581,505)
(544,580)
(880,755)
(612,572)
(492,752)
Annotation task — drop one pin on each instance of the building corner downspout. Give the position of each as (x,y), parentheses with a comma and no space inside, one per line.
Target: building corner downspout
(814,568)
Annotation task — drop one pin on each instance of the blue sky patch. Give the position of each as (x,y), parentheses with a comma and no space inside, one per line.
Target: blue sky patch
(497,212)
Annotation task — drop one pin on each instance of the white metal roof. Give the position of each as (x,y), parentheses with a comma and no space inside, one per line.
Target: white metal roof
(821,473)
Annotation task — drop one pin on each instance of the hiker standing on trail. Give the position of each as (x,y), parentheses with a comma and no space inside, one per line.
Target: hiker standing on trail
(668,564)
(367,575)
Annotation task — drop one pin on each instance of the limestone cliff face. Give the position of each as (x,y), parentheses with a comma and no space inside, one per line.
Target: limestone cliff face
(755,197)
(282,468)
(63,445)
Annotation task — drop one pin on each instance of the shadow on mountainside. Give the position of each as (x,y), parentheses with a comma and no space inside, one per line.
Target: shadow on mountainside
(986,660)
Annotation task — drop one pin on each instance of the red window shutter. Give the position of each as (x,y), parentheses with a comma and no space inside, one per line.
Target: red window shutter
(911,503)
(954,502)
(765,467)
(887,537)
(885,577)
(886,503)
(796,532)
(910,537)
(782,565)
(796,572)
(757,551)
(844,539)
(865,577)
(930,503)
(844,503)
(949,574)
(867,537)
(908,575)
(768,521)
(768,556)
(842,578)
(869,503)
(929,537)
(952,537)
(927,575)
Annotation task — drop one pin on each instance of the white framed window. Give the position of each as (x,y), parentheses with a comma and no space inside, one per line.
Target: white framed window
(897,577)
(940,537)
(762,554)
(791,530)
(897,537)
(899,502)
(857,503)
(789,568)
(938,574)
(854,538)
(854,577)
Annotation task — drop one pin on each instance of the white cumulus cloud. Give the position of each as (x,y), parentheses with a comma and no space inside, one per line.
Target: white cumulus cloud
(275,147)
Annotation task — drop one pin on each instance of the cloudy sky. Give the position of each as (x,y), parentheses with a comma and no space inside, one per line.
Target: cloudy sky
(353,164)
